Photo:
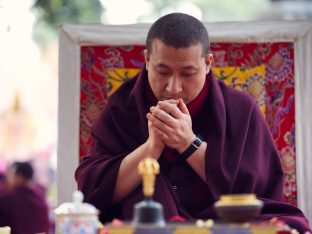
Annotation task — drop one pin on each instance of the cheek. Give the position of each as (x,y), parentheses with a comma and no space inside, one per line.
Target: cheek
(155,82)
(158,86)
(195,86)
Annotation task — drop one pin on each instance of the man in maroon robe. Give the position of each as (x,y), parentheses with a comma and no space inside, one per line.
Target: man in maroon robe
(208,138)
(23,206)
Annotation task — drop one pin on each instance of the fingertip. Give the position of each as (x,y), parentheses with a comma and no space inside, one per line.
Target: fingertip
(183,106)
(181,102)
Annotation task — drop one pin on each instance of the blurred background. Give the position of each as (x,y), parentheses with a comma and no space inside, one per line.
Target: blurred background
(29,61)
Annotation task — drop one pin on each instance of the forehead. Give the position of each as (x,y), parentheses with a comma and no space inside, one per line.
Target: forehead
(170,54)
(158,45)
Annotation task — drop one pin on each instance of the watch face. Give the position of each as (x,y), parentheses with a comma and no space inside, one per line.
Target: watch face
(197,142)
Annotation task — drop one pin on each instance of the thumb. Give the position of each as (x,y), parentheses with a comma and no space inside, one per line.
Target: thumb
(183,107)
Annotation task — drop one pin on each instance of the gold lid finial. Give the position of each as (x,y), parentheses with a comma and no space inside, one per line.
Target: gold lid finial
(148,168)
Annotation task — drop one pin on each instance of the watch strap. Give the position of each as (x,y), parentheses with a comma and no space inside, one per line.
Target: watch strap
(192,148)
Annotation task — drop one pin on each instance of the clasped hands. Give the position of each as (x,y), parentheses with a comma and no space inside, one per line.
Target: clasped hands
(170,124)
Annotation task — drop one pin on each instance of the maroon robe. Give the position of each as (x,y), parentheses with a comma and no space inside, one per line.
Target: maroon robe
(25,210)
(240,158)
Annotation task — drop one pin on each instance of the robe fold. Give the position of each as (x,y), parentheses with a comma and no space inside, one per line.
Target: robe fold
(240,157)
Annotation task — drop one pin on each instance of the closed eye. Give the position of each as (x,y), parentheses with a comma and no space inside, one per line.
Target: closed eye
(188,75)
(163,73)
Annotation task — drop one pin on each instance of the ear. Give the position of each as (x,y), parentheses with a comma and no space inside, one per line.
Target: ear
(146,58)
(208,62)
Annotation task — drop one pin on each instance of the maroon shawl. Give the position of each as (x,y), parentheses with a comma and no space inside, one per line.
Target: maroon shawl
(240,158)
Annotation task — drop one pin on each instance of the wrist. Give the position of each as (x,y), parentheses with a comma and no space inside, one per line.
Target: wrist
(153,150)
(187,143)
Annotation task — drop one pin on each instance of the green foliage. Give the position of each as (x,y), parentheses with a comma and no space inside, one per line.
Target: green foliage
(52,13)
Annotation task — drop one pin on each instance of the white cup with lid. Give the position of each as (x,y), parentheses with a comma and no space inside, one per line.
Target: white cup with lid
(76,217)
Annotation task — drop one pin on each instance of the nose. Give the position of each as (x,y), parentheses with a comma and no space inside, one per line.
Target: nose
(174,85)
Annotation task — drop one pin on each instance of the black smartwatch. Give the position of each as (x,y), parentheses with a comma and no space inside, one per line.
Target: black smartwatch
(192,148)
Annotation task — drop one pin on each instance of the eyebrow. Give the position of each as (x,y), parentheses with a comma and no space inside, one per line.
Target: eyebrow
(190,67)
